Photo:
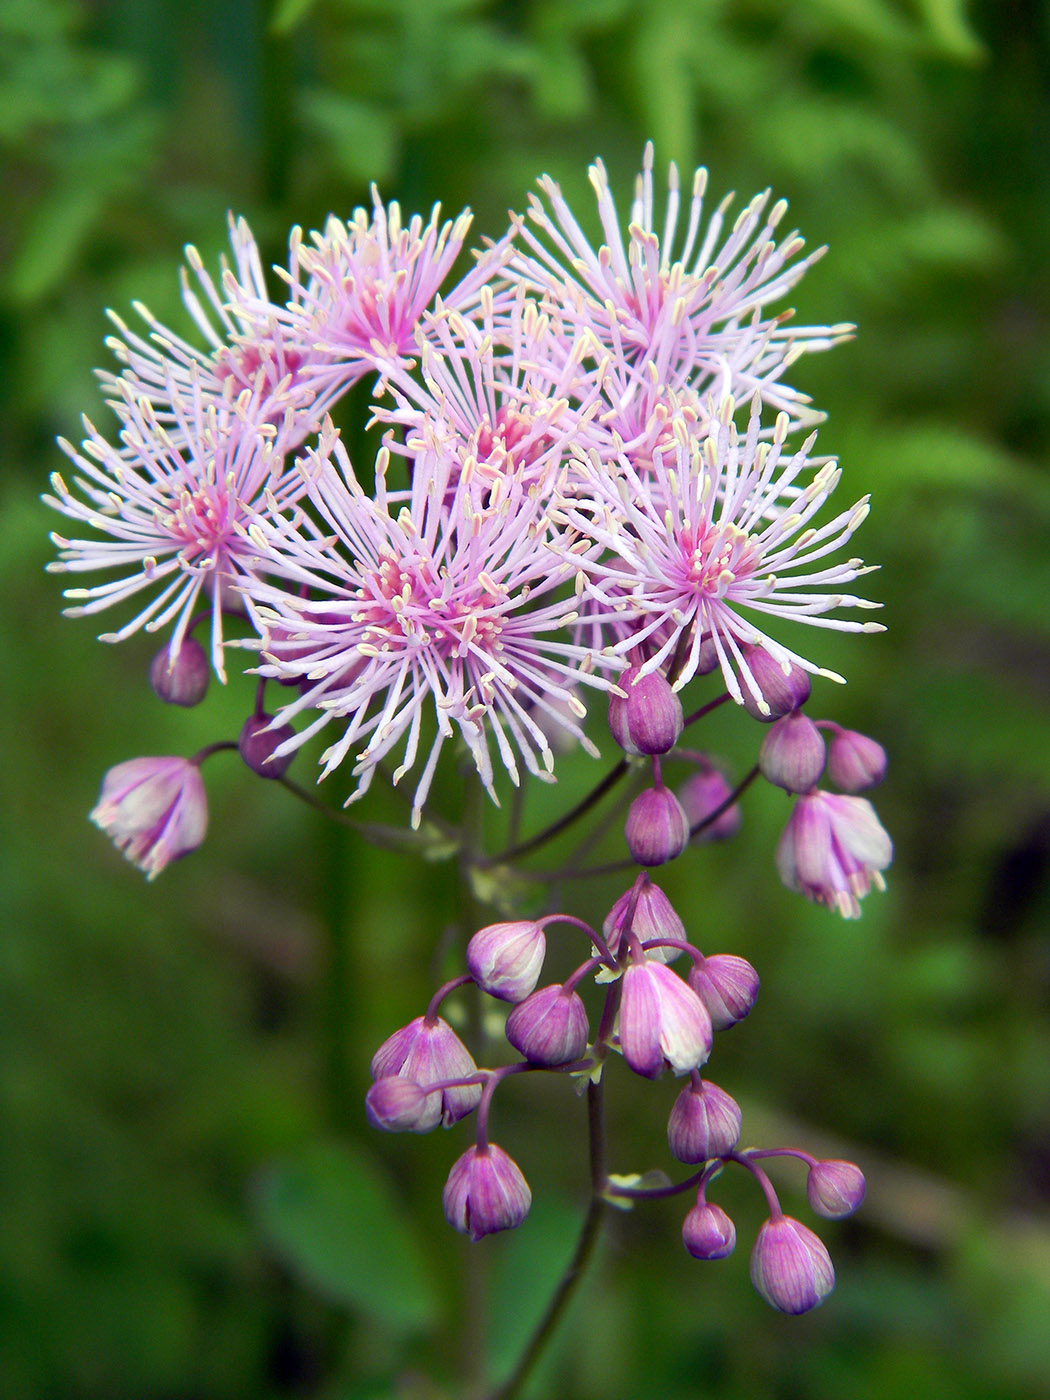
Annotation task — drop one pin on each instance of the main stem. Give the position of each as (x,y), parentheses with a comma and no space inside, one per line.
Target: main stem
(585,1246)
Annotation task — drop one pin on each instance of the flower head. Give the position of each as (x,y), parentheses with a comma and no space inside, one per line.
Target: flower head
(662,1021)
(485,1192)
(833,850)
(154,810)
(790,1266)
(430,1052)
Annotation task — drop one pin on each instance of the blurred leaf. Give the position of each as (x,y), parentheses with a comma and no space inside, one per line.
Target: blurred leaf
(875,21)
(288,14)
(362,140)
(51,241)
(331,1216)
(947,23)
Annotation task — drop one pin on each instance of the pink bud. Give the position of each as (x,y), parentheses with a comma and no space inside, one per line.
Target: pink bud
(154,810)
(650,719)
(727,985)
(654,917)
(657,829)
(779,691)
(429,1054)
(702,794)
(835,1188)
(397,1105)
(708,1233)
(485,1192)
(855,762)
(181,678)
(258,745)
(662,1021)
(792,754)
(704,1123)
(833,850)
(549,1027)
(506,959)
(790,1267)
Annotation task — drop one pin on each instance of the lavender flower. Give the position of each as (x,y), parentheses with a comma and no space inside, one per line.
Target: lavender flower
(154,810)
(707,1232)
(662,1021)
(790,1266)
(485,1192)
(430,1052)
(833,850)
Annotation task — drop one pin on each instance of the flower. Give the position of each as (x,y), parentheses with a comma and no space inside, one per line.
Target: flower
(718,531)
(506,959)
(835,1188)
(662,1021)
(704,1123)
(550,1026)
(833,850)
(429,1052)
(175,506)
(448,603)
(485,1192)
(790,1266)
(707,1232)
(154,810)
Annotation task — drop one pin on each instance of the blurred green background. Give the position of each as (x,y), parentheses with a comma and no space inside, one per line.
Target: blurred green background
(192,1206)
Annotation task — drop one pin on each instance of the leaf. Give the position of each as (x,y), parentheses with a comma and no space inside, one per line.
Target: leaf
(51,242)
(288,14)
(331,1215)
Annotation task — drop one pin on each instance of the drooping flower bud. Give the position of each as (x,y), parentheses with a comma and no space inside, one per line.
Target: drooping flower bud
(727,985)
(835,1188)
(506,959)
(485,1192)
(154,810)
(703,793)
(708,1233)
(182,678)
(650,719)
(662,1021)
(258,743)
(397,1105)
(430,1054)
(657,829)
(790,1267)
(792,754)
(833,850)
(780,690)
(704,1123)
(549,1027)
(855,762)
(654,917)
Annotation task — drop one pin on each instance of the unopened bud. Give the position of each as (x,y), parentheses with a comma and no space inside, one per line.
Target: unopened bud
(835,1188)
(506,959)
(855,762)
(662,1021)
(704,1123)
(792,754)
(431,1053)
(650,720)
(790,1267)
(707,1232)
(727,985)
(485,1192)
(258,743)
(657,828)
(549,1027)
(182,678)
(702,794)
(654,917)
(397,1106)
(779,691)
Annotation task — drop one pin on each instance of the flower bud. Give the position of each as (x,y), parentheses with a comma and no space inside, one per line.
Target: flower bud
(707,657)
(549,1027)
(727,985)
(429,1054)
(506,959)
(485,1192)
(702,794)
(855,762)
(258,743)
(182,678)
(662,1021)
(650,720)
(833,850)
(790,1267)
(654,917)
(154,810)
(708,1233)
(397,1105)
(792,754)
(779,691)
(704,1123)
(835,1188)
(657,829)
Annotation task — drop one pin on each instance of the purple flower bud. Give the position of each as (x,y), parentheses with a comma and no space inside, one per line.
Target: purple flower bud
(727,985)
(485,1192)
(657,829)
(833,850)
(703,794)
(506,959)
(549,1027)
(182,678)
(704,1123)
(397,1105)
(429,1054)
(650,720)
(258,743)
(154,810)
(835,1188)
(708,1233)
(790,1266)
(654,917)
(779,691)
(855,762)
(662,1021)
(792,753)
